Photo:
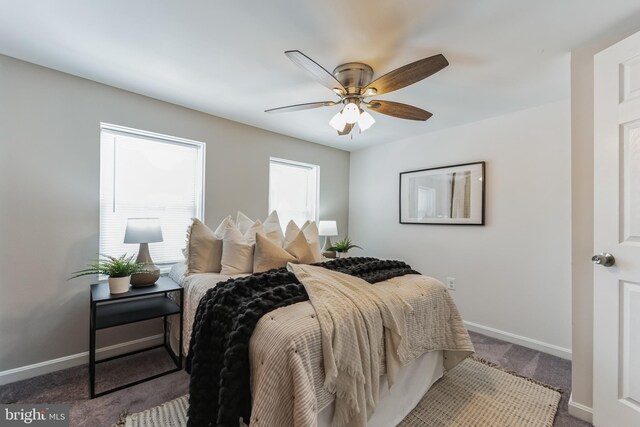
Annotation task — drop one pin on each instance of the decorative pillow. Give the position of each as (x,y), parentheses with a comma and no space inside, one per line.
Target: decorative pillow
(222,227)
(268,255)
(243,222)
(301,249)
(178,271)
(310,231)
(250,235)
(291,233)
(237,253)
(272,229)
(204,248)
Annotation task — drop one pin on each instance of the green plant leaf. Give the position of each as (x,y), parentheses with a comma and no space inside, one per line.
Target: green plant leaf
(344,245)
(122,266)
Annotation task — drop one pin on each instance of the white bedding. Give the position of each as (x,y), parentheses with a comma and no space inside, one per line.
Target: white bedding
(412,382)
(414,379)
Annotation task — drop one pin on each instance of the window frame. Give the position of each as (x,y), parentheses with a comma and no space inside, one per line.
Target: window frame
(296,163)
(201,148)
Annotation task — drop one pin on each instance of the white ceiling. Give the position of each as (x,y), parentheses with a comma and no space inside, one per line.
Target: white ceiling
(226,57)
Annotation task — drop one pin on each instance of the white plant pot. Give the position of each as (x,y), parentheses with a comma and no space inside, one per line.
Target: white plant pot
(119,285)
(342,255)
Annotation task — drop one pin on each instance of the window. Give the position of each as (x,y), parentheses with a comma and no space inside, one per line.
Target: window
(293,191)
(144,175)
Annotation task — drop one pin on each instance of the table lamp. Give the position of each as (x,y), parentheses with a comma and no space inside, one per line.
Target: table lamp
(327,229)
(144,231)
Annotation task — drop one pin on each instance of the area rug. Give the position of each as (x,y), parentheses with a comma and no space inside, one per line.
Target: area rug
(475,393)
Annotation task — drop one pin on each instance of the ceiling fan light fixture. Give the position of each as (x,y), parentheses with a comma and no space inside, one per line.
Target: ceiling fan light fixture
(365,121)
(351,113)
(338,122)
(352,83)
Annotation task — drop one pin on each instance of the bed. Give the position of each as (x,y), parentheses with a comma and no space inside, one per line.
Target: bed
(307,402)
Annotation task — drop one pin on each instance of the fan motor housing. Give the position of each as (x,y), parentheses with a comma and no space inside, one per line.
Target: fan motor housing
(353,75)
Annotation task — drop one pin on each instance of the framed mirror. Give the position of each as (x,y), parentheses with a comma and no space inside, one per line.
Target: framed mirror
(444,195)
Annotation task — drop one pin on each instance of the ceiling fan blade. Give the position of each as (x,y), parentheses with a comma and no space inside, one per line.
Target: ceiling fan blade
(321,75)
(407,75)
(396,109)
(347,129)
(300,107)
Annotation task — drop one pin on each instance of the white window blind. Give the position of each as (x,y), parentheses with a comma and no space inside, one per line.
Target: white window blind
(293,191)
(144,175)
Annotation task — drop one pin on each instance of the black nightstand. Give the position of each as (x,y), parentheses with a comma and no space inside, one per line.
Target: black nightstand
(138,304)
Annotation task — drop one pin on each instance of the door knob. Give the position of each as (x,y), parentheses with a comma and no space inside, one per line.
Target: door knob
(604,258)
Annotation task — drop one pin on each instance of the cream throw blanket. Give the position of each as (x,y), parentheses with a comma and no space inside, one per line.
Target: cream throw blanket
(354,317)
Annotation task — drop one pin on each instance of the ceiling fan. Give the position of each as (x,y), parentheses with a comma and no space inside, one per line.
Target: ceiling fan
(352,83)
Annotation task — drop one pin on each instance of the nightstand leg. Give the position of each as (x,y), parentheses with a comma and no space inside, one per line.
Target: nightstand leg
(164,330)
(92,352)
(181,325)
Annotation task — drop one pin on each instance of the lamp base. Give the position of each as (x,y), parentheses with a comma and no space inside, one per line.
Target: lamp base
(141,280)
(151,273)
(327,244)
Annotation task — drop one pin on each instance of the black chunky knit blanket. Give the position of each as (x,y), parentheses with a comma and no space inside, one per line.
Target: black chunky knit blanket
(218,358)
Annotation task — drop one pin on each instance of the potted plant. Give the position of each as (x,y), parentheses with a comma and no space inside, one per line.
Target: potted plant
(343,246)
(118,269)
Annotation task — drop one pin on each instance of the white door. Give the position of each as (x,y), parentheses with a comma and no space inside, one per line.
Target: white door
(616,364)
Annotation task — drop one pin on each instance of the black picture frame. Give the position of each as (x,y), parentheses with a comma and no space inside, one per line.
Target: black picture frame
(433,203)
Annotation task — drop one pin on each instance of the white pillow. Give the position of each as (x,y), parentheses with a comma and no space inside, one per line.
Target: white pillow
(272,229)
(237,253)
(243,222)
(310,231)
(223,226)
(250,235)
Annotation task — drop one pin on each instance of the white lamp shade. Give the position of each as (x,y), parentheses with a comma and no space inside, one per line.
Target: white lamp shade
(365,121)
(338,122)
(327,228)
(143,230)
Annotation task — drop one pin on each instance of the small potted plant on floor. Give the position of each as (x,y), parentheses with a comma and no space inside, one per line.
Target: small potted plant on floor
(343,246)
(118,269)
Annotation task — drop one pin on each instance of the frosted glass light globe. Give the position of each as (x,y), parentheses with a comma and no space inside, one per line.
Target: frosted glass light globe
(338,122)
(365,121)
(351,113)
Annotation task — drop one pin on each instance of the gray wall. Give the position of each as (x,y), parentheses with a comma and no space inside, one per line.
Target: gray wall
(49,191)
(520,256)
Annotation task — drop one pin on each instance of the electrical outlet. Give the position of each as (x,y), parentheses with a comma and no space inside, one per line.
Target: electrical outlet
(451,283)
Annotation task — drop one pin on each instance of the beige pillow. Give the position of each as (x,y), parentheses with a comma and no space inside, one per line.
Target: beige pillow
(310,231)
(237,253)
(268,255)
(291,233)
(219,233)
(250,235)
(204,248)
(243,222)
(301,249)
(272,229)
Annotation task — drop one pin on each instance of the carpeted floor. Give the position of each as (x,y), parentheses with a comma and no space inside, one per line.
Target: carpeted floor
(71,385)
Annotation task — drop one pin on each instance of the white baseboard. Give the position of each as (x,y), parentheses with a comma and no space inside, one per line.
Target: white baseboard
(544,347)
(580,411)
(48,366)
